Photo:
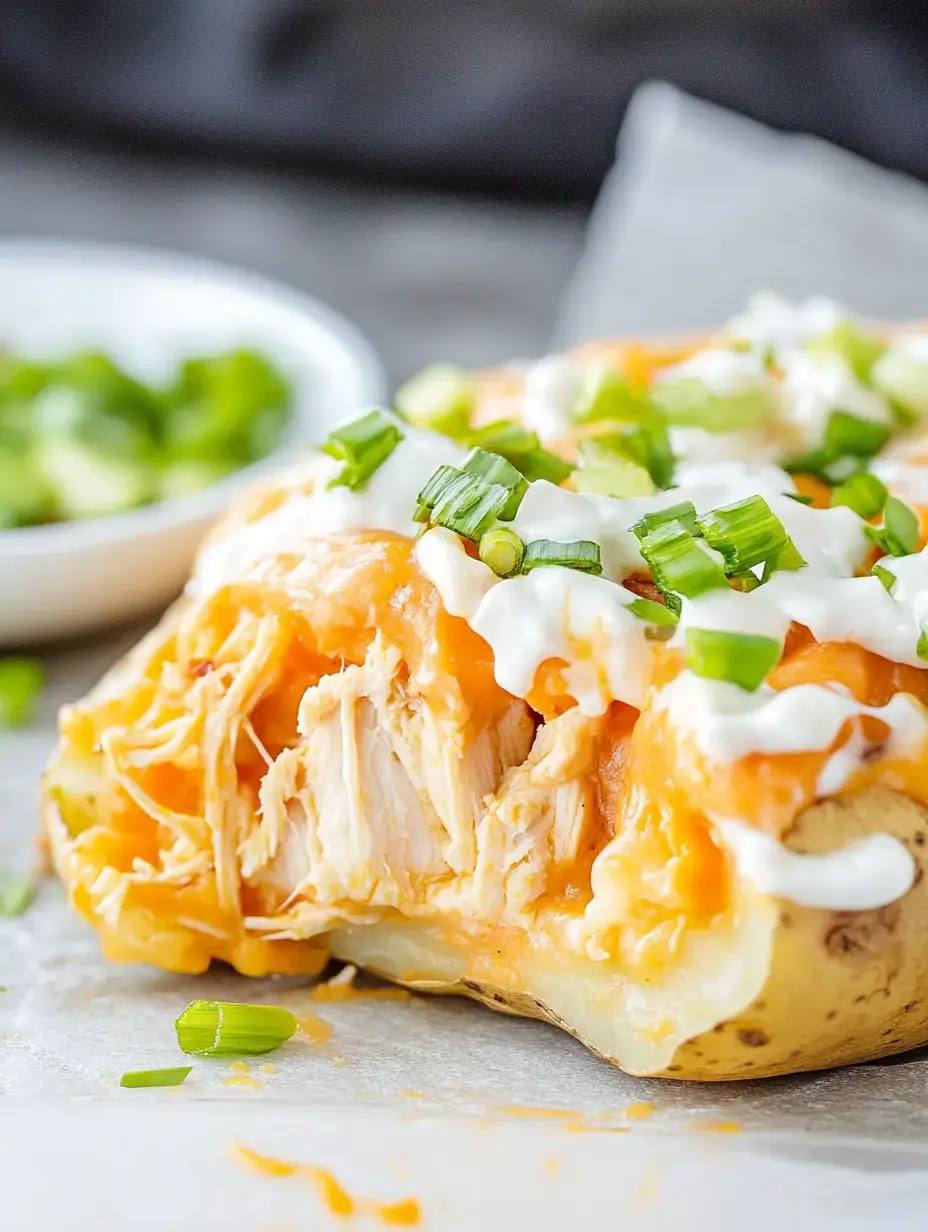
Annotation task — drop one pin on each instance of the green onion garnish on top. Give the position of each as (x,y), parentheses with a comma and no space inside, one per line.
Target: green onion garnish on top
(582,554)
(647,446)
(849,435)
(863,493)
(687,401)
(363,445)
(521,448)
(745,534)
(440,398)
(680,563)
(469,506)
(685,513)
(888,579)
(21,682)
(900,533)
(16,893)
(503,550)
(859,351)
(493,468)
(619,478)
(654,613)
(228,1029)
(743,659)
(155,1077)
(921,646)
(604,394)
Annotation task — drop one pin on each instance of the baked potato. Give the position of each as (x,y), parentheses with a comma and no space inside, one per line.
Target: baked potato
(595,692)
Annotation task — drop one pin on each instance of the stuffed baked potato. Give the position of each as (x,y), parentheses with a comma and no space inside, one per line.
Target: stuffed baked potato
(594,690)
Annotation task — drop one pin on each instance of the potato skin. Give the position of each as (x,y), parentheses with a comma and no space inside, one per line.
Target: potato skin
(843,986)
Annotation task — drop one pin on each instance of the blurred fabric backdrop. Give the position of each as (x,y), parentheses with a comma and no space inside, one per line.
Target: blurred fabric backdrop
(425,166)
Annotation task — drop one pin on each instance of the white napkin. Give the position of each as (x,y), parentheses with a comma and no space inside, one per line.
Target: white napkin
(704,206)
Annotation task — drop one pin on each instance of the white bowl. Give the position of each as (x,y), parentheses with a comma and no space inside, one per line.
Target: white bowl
(148,310)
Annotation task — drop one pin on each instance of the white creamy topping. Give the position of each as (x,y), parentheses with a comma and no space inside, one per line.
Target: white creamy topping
(907,480)
(552,386)
(816,384)
(723,371)
(727,723)
(386,502)
(772,321)
(862,876)
(753,444)
(912,346)
(460,580)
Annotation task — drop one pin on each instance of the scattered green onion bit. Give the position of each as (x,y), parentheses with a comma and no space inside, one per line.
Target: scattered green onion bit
(469,506)
(619,478)
(605,394)
(16,893)
(743,659)
(647,446)
(799,498)
(849,435)
(502,550)
(433,490)
(228,1029)
(859,351)
(688,401)
(680,563)
(654,613)
(899,534)
(440,398)
(155,1077)
(863,493)
(745,534)
(493,468)
(21,682)
(582,554)
(684,513)
(921,646)
(363,445)
(522,449)
(888,579)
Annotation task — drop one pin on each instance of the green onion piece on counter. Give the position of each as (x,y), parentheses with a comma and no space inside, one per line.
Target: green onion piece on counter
(654,613)
(440,398)
(684,513)
(469,506)
(799,498)
(903,378)
(155,1077)
(863,493)
(680,563)
(849,435)
(21,682)
(888,579)
(502,550)
(16,893)
(522,449)
(859,351)
(620,478)
(688,401)
(745,534)
(605,394)
(493,468)
(899,535)
(228,1029)
(582,555)
(743,659)
(363,445)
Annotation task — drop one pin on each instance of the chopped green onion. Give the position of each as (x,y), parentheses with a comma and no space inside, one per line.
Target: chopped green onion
(21,682)
(859,351)
(493,468)
(621,479)
(921,646)
(522,449)
(16,893)
(848,435)
(903,378)
(502,550)
(582,555)
(469,506)
(888,579)
(680,563)
(786,560)
(799,498)
(433,490)
(899,535)
(155,1077)
(863,493)
(746,533)
(605,394)
(228,1029)
(440,398)
(743,659)
(685,513)
(363,445)
(654,613)
(647,445)
(687,401)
